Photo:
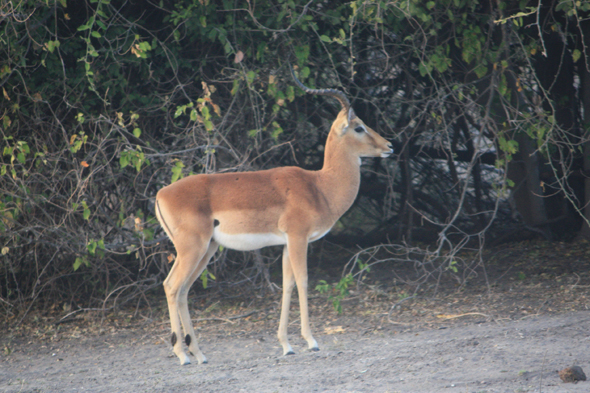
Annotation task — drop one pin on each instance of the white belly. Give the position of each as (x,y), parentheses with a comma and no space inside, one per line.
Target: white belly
(248,241)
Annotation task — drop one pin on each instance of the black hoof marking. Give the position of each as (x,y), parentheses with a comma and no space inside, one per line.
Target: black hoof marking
(215,222)
(173,339)
(187,340)
(314,349)
(290,353)
(205,362)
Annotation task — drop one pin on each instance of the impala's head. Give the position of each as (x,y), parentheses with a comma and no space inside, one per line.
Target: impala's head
(351,131)
(358,136)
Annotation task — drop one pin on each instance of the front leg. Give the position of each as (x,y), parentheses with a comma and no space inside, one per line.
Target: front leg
(288,284)
(297,246)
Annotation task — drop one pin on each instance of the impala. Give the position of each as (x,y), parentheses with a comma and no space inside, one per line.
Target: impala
(286,206)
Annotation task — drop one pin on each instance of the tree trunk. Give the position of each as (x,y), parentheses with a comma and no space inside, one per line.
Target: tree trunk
(585,96)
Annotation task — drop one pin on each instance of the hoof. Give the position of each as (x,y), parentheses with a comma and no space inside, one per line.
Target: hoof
(314,349)
(287,350)
(185,362)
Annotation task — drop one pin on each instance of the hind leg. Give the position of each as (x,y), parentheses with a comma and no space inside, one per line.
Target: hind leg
(190,338)
(177,283)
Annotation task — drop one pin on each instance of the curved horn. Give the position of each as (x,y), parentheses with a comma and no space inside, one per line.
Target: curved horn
(337,94)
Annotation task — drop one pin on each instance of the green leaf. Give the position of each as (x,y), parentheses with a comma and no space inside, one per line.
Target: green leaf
(290,93)
(77,263)
(137,132)
(322,287)
(278,130)
(124,159)
(6,121)
(480,71)
(204,278)
(51,45)
(235,87)
(576,55)
(86,212)
(250,76)
(177,171)
(91,247)
(95,34)
(24,147)
(325,38)
(205,112)
(423,69)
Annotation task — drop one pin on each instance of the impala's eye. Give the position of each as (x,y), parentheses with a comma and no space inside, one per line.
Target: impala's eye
(359,129)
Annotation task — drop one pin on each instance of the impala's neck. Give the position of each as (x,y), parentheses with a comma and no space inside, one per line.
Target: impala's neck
(340,176)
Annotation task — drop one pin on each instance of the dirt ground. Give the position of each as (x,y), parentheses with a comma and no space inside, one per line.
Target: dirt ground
(511,335)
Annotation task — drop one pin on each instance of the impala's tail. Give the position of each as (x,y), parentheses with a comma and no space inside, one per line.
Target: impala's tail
(163,223)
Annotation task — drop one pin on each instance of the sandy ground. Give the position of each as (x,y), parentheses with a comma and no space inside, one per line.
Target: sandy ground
(513,334)
(489,356)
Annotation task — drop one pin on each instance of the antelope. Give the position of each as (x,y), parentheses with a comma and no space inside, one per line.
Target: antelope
(286,206)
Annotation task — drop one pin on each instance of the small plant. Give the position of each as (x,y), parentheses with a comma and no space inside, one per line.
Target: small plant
(205,276)
(453,266)
(338,291)
(402,295)
(363,267)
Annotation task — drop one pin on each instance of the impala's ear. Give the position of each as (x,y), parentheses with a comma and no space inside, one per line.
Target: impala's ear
(347,117)
(343,126)
(351,114)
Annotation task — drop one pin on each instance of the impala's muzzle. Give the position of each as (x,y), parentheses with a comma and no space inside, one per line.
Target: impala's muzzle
(388,153)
